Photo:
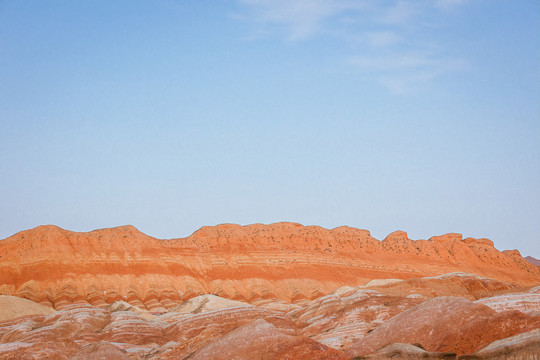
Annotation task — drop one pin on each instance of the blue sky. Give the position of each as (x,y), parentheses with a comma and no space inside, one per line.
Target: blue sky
(169,115)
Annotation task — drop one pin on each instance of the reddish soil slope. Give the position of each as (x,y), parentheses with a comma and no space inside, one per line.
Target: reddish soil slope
(286,261)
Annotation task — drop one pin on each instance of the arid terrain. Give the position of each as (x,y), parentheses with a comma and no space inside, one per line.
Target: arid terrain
(279,291)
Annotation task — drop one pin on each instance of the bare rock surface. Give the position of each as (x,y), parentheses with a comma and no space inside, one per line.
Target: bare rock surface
(446,324)
(285,261)
(206,303)
(99,351)
(406,351)
(279,291)
(532,260)
(125,306)
(12,307)
(522,346)
(470,286)
(528,303)
(337,321)
(352,321)
(262,340)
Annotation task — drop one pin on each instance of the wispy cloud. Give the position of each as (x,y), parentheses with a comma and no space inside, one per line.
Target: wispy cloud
(301,18)
(390,44)
(405,72)
(379,39)
(449,4)
(401,12)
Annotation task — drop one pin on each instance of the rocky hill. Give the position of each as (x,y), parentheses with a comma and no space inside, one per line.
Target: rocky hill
(280,291)
(364,322)
(285,261)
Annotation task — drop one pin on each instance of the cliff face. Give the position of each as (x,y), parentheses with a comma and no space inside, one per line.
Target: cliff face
(284,260)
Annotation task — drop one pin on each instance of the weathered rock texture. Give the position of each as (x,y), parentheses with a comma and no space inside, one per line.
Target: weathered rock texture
(406,351)
(532,260)
(83,331)
(281,291)
(347,323)
(13,307)
(337,320)
(522,346)
(284,261)
(446,324)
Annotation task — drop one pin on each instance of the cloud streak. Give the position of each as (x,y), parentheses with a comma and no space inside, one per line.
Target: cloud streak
(391,42)
(300,18)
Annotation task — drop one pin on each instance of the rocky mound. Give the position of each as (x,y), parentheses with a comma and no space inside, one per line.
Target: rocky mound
(527,303)
(465,285)
(349,323)
(446,324)
(285,261)
(206,303)
(406,351)
(522,346)
(12,307)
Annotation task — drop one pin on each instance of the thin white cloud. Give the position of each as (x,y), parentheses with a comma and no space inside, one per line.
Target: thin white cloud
(408,83)
(402,12)
(393,62)
(381,39)
(449,4)
(301,18)
(403,73)
(387,40)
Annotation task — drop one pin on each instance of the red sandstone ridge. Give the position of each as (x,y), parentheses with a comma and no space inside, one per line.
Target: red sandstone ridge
(287,261)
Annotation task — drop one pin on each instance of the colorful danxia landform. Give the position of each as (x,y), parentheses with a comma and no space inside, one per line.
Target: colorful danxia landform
(279,291)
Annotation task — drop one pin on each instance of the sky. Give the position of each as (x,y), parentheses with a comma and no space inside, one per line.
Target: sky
(421,116)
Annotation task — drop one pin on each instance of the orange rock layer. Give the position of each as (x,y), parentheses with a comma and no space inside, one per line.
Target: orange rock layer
(287,261)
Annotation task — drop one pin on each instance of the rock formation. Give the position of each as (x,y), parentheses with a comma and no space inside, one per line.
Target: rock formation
(522,346)
(349,323)
(286,261)
(406,351)
(13,307)
(532,260)
(446,324)
(281,291)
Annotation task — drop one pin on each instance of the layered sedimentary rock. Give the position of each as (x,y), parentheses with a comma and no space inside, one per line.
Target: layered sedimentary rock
(532,260)
(446,324)
(527,303)
(281,291)
(260,339)
(349,323)
(337,320)
(241,331)
(284,261)
(406,351)
(522,346)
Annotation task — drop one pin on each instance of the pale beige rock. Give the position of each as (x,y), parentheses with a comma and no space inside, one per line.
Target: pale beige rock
(528,303)
(205,303)
(125,306)
(12,307)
